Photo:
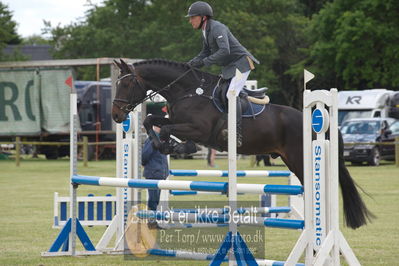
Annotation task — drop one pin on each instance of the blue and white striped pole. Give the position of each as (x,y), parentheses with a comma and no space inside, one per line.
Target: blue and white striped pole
(167,225)
(191,193)
(224,173)
(241,210)
(181,254)
(187,185)
(202,256)
(216,218)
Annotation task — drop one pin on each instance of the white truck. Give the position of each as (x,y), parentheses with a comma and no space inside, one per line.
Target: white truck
(363,104)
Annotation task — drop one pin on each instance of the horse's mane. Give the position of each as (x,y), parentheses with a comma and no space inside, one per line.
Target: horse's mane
(168,63)
(160,61)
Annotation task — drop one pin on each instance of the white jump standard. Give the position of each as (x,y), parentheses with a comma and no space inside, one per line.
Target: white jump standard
(321,232)
(127,165)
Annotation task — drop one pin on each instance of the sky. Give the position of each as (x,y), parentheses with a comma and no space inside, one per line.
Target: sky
(29,14)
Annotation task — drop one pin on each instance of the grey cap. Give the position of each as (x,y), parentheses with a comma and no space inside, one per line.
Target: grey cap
(200,8)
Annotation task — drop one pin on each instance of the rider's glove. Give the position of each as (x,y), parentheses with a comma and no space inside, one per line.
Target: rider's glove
(197,63)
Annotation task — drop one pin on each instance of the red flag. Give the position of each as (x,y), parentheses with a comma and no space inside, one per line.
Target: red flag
(68,81)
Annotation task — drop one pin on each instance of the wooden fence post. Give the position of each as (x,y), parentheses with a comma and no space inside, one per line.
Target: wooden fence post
(397,151)
(17,150)
(85,150)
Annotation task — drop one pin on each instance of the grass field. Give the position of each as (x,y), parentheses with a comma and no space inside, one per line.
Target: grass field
(26,206)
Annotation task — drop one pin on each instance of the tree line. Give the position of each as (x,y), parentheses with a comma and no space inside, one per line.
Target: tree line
(347,44)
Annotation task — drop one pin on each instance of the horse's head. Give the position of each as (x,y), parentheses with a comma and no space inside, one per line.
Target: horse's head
(130,92)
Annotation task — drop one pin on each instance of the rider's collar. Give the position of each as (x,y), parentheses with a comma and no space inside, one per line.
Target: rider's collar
(204,23)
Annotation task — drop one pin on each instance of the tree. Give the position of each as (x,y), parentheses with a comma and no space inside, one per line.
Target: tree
(35,40)
(355,44)
(271,30)
(8,33)
(311,7)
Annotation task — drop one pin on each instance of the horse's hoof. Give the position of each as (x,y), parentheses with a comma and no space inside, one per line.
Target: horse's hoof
(179,149)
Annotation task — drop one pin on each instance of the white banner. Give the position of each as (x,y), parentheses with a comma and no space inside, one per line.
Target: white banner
(32,101)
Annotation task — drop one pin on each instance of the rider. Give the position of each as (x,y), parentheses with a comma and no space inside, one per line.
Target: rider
(220,47)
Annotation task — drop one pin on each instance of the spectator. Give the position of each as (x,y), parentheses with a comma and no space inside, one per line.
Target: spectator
(155,167)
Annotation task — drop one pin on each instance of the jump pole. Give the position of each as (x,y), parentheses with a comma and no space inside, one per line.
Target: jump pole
(73,155)
(232,161)
(233,245)
(186,185)
(295,201)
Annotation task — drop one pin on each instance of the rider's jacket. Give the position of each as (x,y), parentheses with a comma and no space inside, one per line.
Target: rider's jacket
(220,47)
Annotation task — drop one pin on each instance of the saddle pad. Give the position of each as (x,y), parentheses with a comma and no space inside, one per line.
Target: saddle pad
(252,109)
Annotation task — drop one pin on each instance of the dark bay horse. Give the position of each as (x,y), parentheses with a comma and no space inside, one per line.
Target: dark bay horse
(193,116)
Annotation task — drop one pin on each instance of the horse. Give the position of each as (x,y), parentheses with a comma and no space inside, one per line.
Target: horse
(194,117)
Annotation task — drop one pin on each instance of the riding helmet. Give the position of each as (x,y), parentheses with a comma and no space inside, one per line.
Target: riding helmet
(200,8)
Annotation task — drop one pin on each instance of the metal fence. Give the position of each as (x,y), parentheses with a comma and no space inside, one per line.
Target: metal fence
(202,154)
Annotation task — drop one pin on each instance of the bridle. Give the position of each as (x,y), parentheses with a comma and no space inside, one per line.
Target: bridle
(130,107)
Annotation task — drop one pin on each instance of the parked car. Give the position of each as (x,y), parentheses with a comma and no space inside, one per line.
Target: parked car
(389,135)
(365,130)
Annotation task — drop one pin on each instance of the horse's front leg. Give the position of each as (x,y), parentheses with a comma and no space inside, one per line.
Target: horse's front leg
(155,120)
(187,131)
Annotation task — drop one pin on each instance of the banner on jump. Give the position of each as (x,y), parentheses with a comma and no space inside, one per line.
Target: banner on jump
(34,101)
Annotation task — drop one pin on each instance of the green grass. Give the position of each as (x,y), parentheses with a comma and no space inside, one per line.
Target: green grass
(26,212)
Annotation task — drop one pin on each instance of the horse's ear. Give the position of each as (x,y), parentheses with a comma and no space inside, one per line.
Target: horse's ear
(117,64)
(123,63)
(124,66)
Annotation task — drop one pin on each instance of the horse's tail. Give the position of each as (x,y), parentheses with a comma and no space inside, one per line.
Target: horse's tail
(355,210)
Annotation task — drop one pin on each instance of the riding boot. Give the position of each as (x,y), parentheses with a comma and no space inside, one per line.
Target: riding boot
(239,123)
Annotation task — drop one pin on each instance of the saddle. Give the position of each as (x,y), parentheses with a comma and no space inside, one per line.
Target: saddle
(248,107)
(252,101)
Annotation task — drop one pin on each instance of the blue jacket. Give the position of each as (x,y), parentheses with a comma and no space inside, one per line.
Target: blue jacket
(155,163)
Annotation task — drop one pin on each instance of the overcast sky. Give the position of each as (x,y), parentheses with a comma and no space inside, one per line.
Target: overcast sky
(29,14)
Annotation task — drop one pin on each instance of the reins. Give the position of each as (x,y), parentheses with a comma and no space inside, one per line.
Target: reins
(129,107)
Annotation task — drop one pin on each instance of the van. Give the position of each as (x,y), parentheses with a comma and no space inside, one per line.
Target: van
(363,104)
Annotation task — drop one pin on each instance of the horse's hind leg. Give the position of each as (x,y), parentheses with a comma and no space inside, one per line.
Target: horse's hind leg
(293,158)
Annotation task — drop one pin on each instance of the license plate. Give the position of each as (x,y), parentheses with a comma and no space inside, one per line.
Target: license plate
(346,153)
